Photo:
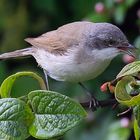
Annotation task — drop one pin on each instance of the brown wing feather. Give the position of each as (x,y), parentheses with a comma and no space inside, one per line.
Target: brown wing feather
(61,39)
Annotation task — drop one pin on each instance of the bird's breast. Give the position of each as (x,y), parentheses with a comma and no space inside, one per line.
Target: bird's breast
(65,69)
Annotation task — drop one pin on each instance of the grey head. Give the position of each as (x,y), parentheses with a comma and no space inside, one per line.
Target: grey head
(106,35)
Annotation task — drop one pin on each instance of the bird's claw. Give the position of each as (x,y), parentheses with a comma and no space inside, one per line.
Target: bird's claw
(94,104)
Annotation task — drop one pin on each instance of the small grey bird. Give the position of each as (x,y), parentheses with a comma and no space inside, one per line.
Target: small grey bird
(77,51)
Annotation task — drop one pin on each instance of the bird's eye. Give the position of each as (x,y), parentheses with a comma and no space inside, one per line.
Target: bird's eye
(111,42)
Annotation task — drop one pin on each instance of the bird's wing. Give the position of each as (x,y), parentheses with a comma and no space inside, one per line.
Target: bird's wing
(58,41)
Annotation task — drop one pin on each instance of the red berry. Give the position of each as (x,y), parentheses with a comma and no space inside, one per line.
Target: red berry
(104,87)
(111,88)
(99,7)
(128,59)
(107,87)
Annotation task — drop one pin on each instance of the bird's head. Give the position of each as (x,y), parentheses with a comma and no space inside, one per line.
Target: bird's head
(109,41)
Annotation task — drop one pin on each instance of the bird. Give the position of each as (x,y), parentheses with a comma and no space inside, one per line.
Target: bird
(77,51)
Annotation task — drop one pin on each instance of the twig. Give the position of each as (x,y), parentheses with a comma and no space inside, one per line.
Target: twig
(102,103)
(124,112)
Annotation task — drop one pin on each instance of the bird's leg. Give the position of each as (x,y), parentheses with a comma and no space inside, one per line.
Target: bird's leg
(93,100)
(46,79)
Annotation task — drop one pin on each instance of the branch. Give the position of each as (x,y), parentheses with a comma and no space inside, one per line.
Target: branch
(102,103)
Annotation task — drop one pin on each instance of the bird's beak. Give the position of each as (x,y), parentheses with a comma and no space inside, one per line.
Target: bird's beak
(128,49)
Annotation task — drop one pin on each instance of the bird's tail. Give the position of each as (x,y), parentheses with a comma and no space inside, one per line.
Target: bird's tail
(17,53)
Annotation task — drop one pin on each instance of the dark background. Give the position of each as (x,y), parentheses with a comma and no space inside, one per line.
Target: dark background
(30,18)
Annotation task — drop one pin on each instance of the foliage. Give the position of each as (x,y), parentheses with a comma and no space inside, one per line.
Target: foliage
(14,119)
(44,114)
(127,92)
(24,18)
(47,114)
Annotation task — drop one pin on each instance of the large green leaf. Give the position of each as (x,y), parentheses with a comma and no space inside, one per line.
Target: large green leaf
(6,86)
(124,91)
(15,118)
(54,114)
(130,69)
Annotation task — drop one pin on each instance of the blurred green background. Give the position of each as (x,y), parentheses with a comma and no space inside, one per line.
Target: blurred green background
(29,18)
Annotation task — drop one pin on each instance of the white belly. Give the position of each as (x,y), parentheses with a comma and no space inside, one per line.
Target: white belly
(63,68)
(77,73)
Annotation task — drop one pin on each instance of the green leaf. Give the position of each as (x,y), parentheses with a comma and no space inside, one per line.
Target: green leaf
(117,132)
(137,45)
(54,114)
(95,17)
(6,86)
(136,112)
(136,130)
(15,118)
(109,4)
(137,42)
(123,91)
(130,69)
(119,13)
(130,3)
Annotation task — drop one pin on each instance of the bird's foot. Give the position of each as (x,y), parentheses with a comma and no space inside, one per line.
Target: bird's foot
(94,103)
